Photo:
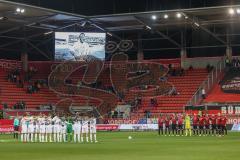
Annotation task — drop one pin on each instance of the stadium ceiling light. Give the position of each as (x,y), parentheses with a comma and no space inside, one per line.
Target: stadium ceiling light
(196,24)
(148,27)
(178,15)
(22,10)
(231,11)
(18,10)
(165,16)
(238,11)
(154,17)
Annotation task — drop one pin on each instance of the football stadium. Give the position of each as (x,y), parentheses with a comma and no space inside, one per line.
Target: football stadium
(111,79)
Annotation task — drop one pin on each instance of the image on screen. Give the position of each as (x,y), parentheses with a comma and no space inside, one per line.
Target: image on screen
(79,46)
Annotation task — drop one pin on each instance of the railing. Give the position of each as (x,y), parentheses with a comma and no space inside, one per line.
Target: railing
(213,77)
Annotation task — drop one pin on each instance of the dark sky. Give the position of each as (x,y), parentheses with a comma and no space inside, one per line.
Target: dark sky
(96,7)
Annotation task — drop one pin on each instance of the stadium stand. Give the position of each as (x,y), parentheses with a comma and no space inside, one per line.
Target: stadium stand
(184,86)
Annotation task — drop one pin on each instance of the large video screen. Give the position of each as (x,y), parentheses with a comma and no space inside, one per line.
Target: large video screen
(79,46)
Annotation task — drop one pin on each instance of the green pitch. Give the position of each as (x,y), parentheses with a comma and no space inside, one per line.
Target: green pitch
(117,146)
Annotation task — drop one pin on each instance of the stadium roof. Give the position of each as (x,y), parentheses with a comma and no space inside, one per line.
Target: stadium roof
(35,26)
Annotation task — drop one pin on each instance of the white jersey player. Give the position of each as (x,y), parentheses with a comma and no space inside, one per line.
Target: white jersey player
(37,130)
(56,129)
(31,128)
(79,130)
(42,129)
(76,133)
(49,130)
(24,129)
(93,130)
(85,129)
(63,132)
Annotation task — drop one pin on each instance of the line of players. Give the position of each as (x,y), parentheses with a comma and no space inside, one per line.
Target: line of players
(48,129)
(200,125)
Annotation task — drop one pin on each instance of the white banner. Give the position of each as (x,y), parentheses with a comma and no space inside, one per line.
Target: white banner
(236,127)
(138,126)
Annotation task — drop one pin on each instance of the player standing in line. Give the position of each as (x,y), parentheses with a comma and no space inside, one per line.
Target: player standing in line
(214,127)
(79,130)
(56,129)
(69,124)
(218,124)
(85,129)
(93,130)
(65,129)
(201,125)
(180,125)
(24,129)
(160,125)
(36,129)
(167,126)
(224,125)
(75,131)
(195,124)
(59,130)
(207,125)
(187,122)
(174,125)
(31,130)
(49,130)
(16,124)
(42,129)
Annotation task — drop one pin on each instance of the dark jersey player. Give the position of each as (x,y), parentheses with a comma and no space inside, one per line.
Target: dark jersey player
(174,125)
(167,126)
(207,125)
(201,125)
(214,127)
(223,125)
(160,125)
(180,125)
(195,121)
(218,124)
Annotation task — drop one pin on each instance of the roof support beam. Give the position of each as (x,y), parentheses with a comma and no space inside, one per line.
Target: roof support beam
(44,18)
(159,33)
(195,20)
(37,49)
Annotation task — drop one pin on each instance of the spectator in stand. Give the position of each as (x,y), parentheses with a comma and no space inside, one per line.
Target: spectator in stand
(174,92)
(203,93)
(5,105)
(37,86)
(153,102)
(181,72)
(228,62)
(30,89)
(234,62)
(190,67)
(209,68)
(31,71)
(147,114)
(174,72)
(163,79)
